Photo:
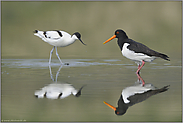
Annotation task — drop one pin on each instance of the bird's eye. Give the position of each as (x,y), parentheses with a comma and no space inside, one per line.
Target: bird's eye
(117,112)
(117,32)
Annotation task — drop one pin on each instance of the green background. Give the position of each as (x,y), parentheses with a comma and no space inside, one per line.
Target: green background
(155,24)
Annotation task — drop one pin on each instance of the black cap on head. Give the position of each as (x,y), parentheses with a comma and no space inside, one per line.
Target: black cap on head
(120,33)
(78,35)
(120,112)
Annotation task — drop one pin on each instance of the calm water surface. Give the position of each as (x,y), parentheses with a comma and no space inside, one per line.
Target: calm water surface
(104,79)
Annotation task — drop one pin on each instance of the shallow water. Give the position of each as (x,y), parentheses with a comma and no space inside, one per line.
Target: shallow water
(104,79)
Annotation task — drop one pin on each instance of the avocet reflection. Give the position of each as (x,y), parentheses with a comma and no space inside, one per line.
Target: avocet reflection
(57,90)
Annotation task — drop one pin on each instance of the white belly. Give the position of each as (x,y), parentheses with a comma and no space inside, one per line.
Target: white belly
(65,40)
(135,56)
(136,89)
(59,43)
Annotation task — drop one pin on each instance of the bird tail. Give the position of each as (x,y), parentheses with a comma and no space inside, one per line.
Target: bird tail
(40,34)
(163,89)
(79,92)
(163,56)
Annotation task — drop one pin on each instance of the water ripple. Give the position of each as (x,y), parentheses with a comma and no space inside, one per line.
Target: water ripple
(43,63)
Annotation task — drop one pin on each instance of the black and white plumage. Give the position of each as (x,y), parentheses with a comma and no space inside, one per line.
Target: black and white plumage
(135,94)
(57,91)
(58,39)
(134,50)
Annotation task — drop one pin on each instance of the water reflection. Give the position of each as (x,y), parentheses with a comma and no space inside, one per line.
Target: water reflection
(57,90)
(140,79)
(134,94)
(51,75)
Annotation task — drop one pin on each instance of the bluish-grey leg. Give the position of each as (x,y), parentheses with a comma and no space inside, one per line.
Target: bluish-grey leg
(58,56)
(51,75)
(51,52)
(58,72)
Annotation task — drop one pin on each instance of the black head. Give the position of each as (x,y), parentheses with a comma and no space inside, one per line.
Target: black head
(120,34)
(120,111)
(78,35)
(122,107)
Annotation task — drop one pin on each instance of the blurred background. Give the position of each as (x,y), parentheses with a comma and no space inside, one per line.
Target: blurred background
(156,24)
(101,67)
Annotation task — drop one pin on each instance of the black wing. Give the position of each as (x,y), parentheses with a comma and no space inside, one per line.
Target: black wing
(141,97)
(141,48)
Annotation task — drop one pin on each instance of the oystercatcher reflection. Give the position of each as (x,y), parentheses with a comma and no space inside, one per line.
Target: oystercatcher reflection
(135,94)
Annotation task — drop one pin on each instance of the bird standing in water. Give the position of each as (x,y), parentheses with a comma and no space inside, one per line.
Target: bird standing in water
(58,39)
(134,50)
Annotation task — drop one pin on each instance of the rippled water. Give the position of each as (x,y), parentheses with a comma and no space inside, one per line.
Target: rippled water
(103,80)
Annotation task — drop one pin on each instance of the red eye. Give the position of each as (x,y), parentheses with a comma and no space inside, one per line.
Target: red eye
(117,32)
(117,112)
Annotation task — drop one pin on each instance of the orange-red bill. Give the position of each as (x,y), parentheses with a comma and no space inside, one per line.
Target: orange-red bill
(114,36)
(114,108)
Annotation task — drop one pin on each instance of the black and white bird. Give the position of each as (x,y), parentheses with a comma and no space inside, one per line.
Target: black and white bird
(57,91)
(135,94)
(134,50)
(58,39)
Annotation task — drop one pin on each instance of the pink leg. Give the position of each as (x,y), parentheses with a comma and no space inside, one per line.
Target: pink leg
(140,78)
(139,68)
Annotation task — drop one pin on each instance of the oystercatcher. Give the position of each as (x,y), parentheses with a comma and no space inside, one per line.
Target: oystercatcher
(58,39)
(135,94)
(134,50)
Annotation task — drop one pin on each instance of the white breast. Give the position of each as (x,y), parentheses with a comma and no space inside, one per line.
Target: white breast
(136,89)
(63,41)
(55,89)
(135,56)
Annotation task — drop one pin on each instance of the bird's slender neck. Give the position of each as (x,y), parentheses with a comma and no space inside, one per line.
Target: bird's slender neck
(74,38)
(121,35)
(121,101)
(71,39)
(122,107)
(120,43)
